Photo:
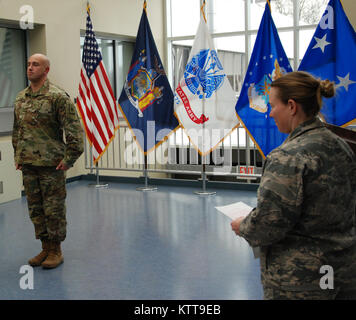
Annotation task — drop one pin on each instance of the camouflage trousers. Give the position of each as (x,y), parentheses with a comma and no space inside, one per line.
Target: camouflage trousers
(337,294)
(46,193)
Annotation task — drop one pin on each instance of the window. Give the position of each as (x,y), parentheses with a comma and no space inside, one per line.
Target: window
(233,25)
(180,12)
(12,73)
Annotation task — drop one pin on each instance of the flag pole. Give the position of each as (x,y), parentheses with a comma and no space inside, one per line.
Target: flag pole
(146,187)
(204,192)
(203,155)
(98,184)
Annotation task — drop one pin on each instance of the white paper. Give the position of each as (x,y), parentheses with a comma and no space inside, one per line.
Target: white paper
(237,210)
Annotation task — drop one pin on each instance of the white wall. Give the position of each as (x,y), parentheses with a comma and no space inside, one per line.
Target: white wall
(57,34)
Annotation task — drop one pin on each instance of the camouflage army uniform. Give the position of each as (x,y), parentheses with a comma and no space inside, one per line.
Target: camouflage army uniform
(305,215)
(39,121)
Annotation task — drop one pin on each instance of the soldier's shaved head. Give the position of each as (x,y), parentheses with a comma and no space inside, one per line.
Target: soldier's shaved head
(43,58)
(38,66)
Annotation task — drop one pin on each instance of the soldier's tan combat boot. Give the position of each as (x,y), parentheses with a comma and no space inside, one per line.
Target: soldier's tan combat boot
(36,261)
(54,258)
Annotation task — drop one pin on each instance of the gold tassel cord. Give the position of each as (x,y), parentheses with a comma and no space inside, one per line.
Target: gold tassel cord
(145,6)
(88,7)
(202,11)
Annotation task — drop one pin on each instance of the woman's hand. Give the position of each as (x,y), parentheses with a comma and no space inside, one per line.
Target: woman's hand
(235,225)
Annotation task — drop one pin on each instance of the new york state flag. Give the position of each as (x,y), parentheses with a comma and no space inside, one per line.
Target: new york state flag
(204,98)
(146,100)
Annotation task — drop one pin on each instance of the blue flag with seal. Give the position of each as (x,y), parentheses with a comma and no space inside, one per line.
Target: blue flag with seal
(147,100)
(268,62)
(331,55)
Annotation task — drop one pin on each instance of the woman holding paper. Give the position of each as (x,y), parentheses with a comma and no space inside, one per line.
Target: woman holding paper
(304,221)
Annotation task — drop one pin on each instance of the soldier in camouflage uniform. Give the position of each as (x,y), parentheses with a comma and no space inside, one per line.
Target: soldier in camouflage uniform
(43,112)
(306,201)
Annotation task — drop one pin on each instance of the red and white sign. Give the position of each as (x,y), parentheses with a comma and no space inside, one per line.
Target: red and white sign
(247,170)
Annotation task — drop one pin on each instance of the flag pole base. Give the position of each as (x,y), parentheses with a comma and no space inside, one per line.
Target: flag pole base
(98,186)
(144,189)
(205,193)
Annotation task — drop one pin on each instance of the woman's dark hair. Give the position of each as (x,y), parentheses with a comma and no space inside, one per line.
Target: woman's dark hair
(304,89)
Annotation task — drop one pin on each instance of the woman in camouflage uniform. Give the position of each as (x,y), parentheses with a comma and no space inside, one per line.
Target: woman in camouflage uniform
(304,221)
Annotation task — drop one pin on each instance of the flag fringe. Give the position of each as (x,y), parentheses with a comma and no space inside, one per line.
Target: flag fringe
(349,123)
(83,122)
(203,154)
(107,145)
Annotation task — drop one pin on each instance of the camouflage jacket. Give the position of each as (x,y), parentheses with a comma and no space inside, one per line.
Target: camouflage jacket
(39,122)
(305,214)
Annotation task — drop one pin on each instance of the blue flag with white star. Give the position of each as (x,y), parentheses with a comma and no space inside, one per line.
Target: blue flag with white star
(268,62)
(146,100)
(331,55)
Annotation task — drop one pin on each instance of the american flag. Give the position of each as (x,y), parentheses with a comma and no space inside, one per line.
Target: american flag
(96,103)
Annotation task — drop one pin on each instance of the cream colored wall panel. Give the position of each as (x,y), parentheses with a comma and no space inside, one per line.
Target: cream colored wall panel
(77,169)
(10,178)
(350,9)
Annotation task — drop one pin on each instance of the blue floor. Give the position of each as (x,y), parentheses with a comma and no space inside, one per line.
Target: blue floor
(127,244)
